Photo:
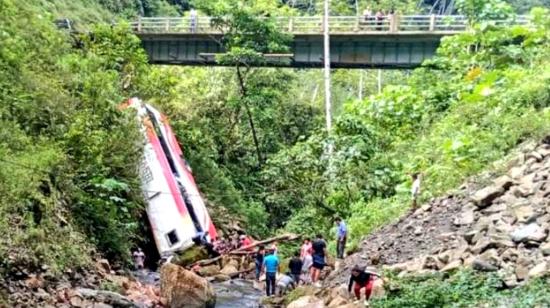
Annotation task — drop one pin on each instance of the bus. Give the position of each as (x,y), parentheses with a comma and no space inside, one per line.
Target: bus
(176,210)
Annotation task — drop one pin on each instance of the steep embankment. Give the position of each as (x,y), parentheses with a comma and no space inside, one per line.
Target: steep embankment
(498,227)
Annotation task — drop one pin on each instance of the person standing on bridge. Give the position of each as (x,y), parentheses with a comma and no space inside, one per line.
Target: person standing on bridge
(379,20)
(367,15)
(193,20)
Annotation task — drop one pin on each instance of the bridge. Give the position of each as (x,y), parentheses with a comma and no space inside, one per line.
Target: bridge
(356,42)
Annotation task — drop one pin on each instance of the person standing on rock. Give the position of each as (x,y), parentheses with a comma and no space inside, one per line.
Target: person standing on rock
(361,279)
(306,248)
(295,266)
(341,235)
(306,268)
(319,247)
(139,259)
(259,261)
(415,189)
(270,267)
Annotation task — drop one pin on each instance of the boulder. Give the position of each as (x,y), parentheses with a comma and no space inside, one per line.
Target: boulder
(190,256)
(210,270)
(482,265)
(504,182)
(539,270)
(510,281)
(470,235)
(522,272)
(481,245)
(530,232)
(510,255)
(103,265)
(183,288)
(356,304)
(484,197)
(482,224)
(535,155)
(452,266)
(378,290)
(433,262)
(523,213)
(107,297)
(340,291)
(229,270)
(465,218)
(543,151)
(232,262)
(545,249)
(495,208)
(221,278)
(517,172)
(521,191)
(337,302)
(308,301)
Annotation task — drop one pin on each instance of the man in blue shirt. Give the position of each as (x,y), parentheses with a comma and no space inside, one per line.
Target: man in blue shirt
(342,235)
(270,267)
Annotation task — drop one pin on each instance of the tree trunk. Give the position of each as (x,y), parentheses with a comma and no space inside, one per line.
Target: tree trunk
(249,114)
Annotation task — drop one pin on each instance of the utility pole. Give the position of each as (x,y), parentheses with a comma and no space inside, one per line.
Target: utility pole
(328,103)
(379,81)
(361,85)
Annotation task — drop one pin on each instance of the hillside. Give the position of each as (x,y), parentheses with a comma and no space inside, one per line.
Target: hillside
(497,224)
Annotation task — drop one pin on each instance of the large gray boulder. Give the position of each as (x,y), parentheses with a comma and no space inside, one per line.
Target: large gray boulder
(530,232)
(183,288)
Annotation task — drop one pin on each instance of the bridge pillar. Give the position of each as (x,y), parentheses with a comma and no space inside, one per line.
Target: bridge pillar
(432,23)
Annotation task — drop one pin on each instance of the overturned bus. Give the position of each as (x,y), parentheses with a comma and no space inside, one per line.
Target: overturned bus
(176,211)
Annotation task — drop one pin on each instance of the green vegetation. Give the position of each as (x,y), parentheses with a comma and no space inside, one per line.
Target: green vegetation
(69,157)
(464,289)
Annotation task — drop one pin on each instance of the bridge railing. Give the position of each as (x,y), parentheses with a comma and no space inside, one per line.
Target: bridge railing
(314,24)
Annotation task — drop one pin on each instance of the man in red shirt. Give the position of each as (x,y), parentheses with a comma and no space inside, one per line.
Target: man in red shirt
(246,241)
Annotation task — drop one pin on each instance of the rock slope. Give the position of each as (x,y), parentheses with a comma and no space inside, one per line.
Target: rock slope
(501,227)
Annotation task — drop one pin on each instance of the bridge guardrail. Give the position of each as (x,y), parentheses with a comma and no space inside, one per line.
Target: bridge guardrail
(314,24)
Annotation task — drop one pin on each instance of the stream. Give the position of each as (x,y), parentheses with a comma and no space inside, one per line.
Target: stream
(236,293)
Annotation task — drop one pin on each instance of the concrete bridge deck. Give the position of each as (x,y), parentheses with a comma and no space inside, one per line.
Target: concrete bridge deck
(356,42)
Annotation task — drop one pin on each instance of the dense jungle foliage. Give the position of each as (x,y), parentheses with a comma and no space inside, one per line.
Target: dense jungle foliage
(255,137)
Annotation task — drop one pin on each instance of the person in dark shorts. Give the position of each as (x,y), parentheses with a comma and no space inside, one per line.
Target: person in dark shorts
(295,267)
(319,253)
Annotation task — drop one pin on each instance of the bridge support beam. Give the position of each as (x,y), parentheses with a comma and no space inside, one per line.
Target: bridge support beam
(347,51)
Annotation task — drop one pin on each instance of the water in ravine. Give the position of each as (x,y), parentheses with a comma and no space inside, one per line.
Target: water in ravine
(237,293)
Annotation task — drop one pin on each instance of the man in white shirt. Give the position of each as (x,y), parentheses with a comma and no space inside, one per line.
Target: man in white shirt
(193,20)
(415,189)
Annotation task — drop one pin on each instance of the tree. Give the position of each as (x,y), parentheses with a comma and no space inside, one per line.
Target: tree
(249,33)
(483,10)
